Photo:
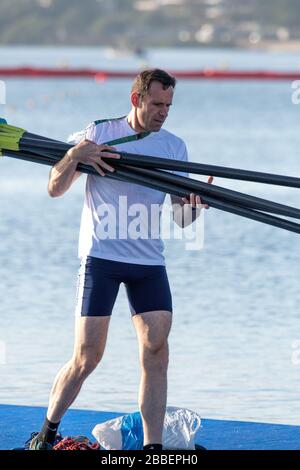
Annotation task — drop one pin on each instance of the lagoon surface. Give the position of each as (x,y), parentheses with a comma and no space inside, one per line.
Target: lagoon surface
(235,342)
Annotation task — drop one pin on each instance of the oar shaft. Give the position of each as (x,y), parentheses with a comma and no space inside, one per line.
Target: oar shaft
(202,188)
(147,161)
(40,151)
(213,202)
(178,191)
(171,188)
(217,191)
(42,144)
(29,135)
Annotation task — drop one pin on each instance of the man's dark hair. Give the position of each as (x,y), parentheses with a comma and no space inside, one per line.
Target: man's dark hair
(144,79)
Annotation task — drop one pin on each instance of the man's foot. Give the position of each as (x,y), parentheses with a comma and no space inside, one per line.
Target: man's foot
(198,447)
(35,444)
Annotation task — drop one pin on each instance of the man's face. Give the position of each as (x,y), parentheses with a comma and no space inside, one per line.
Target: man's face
(153,109)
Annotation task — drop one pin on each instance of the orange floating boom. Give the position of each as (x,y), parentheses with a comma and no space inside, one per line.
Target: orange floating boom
(48,72)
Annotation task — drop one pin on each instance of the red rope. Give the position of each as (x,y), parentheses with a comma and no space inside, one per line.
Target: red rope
(76,443)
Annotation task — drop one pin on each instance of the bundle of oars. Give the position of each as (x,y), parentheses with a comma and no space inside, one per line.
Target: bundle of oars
(153,173)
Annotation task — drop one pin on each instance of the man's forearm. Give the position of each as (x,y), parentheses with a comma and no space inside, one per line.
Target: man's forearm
(62,175)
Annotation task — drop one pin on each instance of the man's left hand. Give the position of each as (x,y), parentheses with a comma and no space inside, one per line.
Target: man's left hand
(195,201)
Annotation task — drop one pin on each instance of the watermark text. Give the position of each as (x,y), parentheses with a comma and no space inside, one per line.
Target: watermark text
(296,92)
(2,92)
(2,353)
(139,221)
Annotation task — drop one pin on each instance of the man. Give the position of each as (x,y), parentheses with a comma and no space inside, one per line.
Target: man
(138,262)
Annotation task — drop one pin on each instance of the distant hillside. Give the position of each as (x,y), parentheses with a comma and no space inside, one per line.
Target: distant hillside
(144,23)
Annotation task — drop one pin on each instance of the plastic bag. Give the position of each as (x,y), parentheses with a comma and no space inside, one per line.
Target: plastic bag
(126,432)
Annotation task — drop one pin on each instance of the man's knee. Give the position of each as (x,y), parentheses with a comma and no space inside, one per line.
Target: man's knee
(155,356)
(85,361)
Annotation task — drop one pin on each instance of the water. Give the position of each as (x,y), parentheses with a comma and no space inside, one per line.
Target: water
(234,350)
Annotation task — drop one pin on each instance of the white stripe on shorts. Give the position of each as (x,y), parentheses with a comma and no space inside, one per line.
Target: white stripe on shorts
(80,287)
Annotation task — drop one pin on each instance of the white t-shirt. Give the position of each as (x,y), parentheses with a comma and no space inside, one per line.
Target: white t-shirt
(121,221)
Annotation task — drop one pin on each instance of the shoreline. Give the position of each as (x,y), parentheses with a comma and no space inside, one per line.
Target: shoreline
(274,46)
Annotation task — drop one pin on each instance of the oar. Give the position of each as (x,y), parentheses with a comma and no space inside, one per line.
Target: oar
(204,188)
(57,147)
(163,163)
(129,176)
(146,161)
(22,133)
(213,202)
(217,191)
(233,196)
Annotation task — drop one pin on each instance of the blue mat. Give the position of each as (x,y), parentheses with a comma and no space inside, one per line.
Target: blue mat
(17,423)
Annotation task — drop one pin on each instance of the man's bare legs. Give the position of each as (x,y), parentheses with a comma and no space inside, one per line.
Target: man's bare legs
(90,340)
(152,330)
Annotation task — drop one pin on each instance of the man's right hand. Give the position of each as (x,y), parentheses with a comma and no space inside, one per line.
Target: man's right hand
(89,153)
